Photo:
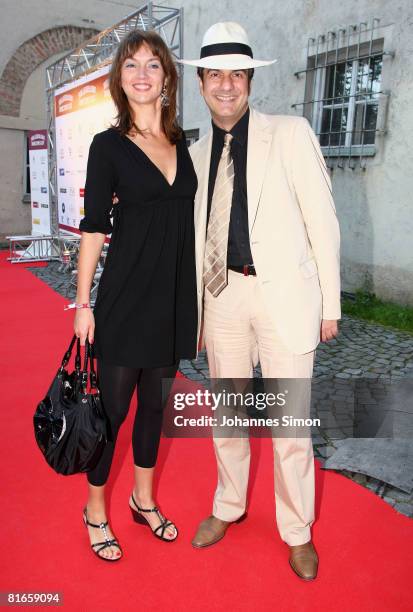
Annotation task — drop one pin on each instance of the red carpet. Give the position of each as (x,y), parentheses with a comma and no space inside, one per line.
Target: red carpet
(364,545)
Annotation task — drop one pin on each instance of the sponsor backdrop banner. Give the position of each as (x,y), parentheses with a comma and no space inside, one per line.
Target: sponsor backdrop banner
(39,182)
(82,109)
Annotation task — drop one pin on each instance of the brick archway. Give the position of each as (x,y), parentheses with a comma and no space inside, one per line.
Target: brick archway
(31,54)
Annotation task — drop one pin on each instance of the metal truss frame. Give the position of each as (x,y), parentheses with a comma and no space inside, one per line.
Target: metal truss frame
(31,248)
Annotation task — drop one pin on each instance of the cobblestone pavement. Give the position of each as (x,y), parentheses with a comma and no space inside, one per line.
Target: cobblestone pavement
(362,351)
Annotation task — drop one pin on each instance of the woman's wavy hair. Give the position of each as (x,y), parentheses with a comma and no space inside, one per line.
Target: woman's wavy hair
(127,48)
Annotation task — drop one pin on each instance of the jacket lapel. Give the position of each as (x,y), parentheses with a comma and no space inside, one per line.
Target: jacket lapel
(202,161)
(259,144)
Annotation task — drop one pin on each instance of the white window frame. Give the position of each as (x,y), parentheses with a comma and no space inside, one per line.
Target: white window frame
(319,106)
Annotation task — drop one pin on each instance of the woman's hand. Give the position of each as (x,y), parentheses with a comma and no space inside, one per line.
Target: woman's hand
(84,325)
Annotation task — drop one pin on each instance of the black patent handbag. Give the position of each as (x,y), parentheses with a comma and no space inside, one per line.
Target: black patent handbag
(70,426)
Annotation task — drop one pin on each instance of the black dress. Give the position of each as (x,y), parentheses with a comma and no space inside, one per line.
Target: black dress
(146,306)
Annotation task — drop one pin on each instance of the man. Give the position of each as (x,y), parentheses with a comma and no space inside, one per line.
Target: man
(267,248)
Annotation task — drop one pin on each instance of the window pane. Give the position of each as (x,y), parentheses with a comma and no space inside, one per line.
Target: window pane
(365,122)
(370,124)
(338,83)
(369,78)
(333,127)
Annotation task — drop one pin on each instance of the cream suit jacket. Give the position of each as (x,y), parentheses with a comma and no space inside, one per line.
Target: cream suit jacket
(293,227)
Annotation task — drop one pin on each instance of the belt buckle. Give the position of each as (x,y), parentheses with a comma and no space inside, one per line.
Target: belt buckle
(246,270)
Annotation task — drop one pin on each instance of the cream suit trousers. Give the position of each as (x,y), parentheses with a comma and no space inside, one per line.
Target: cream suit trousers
(238,332)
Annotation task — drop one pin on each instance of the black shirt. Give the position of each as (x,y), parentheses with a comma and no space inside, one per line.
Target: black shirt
(239,251)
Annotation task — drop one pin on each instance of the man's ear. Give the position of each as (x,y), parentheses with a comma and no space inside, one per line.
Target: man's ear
(201,86)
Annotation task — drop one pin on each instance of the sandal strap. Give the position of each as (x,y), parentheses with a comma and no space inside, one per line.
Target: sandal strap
(164,521)
(163,527)
(106,543)
(154,509)
(100,526)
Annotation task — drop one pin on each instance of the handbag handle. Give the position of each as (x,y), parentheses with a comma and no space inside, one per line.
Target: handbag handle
(89,356)
(67,355)
(93,377)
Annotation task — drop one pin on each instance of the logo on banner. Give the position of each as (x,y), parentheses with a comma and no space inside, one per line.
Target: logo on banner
(43,189)
(81,193)
(44,206)
(65,103)
(87,95)
(38,140)
(61,171)
(63,190)
(35,204)
(63,207)
(36,221)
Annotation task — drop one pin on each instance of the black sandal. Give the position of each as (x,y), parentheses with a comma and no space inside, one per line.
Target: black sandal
(138,518)
(104,544)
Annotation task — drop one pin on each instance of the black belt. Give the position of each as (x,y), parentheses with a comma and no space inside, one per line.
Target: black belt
(247,270)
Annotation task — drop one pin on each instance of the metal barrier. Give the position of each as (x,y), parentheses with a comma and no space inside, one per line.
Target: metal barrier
(63,248)
(32,248)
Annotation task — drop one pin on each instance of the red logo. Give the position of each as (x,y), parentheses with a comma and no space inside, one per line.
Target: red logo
(35,204)
(82,193)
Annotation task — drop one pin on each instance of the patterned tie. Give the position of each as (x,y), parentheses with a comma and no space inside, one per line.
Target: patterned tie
(215,262)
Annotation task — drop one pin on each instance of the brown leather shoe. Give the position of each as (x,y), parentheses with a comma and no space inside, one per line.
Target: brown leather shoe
(211,531)
(304,560)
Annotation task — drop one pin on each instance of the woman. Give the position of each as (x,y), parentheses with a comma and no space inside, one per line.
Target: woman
(145,310)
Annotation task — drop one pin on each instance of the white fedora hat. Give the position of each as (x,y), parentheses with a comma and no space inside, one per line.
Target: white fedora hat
(225,46)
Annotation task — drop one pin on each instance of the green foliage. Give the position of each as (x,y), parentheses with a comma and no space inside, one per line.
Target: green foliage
(369,307)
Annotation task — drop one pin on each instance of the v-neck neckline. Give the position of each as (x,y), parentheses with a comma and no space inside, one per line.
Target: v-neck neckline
(170,185)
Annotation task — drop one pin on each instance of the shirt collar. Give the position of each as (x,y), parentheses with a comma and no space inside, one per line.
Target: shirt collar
(239,131)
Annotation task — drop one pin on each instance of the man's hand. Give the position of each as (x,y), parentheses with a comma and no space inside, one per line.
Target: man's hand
(329,330)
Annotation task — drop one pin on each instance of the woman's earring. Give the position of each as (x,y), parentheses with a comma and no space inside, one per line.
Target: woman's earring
(164,97)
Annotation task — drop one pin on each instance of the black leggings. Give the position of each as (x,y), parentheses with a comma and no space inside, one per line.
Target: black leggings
(117,384)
